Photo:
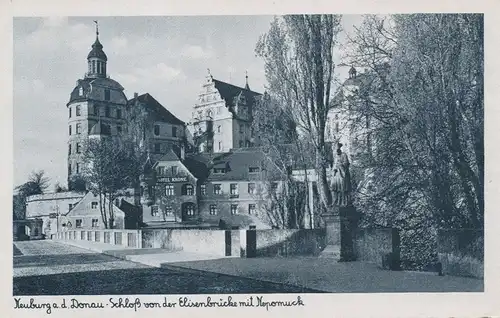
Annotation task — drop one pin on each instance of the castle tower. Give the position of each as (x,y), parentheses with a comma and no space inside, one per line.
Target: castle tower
(96,108)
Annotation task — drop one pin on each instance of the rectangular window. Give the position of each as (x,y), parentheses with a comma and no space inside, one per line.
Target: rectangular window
(69,108)
(253,169)
(119,129)
(107,94)
(161,170)
(94,205)
(69,168)
(213,209)
(251,188)
(77,112)
(241,143)
(107,111)
(203,189)
(169,190)
(119,113)
(169,211)
(188,189)
(157,148)
(233,188)
(217,189)
(157,130)
(218,129)
(95,222)
(251,209)
(174,131)
(69,149)
(220,145)
(78,128)
(78,148)
(79,223)
(234,209)
(174,170)
(154,210)
(241,129)
(70,130)
(70,207)
(77,167)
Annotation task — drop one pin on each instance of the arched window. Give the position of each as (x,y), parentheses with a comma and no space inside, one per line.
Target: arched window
(187,189)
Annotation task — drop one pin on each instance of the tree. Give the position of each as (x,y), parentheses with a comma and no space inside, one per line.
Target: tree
(111,167)
(37,184)
(425,96)
(285,200)
(298,59)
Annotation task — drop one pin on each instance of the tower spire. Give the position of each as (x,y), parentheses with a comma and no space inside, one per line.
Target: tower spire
(96,28)
(246,81)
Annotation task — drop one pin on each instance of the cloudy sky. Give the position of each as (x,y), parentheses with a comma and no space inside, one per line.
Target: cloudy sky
(167,57)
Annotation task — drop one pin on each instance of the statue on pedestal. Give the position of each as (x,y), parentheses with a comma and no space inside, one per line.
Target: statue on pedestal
(341,183)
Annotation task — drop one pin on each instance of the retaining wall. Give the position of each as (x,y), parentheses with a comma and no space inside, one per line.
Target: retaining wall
(461,252)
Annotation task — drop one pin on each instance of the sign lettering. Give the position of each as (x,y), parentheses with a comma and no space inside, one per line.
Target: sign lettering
(172,179)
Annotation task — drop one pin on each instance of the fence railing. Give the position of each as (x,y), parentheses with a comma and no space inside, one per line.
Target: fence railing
(128,238)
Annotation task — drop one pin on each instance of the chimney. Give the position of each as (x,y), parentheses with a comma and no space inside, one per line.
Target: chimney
(136,95)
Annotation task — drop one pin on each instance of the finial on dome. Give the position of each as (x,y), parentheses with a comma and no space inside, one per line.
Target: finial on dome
(96,28)
(246,81)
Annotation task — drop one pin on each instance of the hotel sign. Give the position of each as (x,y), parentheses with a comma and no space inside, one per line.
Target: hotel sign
(172,179)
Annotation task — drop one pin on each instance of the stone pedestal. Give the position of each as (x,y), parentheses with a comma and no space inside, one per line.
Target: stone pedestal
(340,228)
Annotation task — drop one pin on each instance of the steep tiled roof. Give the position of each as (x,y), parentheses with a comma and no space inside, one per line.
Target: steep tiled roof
(161,113)
(236,164)
(169,156)
(229,92)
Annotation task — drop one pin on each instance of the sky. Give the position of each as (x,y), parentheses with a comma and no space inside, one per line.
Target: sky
(167,57)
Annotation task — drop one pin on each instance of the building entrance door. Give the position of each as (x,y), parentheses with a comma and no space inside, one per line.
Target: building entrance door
(188,211)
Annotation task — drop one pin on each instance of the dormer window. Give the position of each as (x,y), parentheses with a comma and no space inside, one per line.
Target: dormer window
(80,91)
(219,170)
(107,94)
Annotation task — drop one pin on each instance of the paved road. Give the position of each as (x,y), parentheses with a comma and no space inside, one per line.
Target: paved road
(50,268)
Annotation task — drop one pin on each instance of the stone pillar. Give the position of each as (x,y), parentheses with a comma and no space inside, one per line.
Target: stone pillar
(339,234)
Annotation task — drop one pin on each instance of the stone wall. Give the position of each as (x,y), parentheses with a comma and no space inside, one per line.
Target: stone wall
(373,244)
(461,252)
(212,242)
(284,242)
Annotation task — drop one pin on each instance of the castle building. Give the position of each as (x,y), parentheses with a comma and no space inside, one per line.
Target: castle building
(222,116)
(96,108)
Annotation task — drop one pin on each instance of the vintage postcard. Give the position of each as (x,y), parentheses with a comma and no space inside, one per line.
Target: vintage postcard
(268,162)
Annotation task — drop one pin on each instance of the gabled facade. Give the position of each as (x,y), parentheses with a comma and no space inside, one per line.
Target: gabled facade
(169,192)
(222,117)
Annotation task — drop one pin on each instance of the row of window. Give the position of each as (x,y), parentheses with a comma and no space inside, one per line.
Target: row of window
(234,209)
(157,131)
(78,128)
(107,111)
(79,222)
(97,67)
(78,168)
(78,148)
(188,189)
(189,210)
(163,170)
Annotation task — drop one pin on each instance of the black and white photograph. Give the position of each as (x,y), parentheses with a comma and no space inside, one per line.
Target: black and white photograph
(301,154)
